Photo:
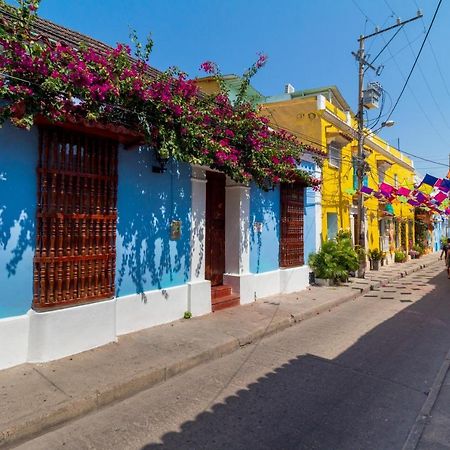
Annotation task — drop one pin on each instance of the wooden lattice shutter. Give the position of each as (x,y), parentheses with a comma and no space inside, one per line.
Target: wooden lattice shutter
(292,236)
(76,219)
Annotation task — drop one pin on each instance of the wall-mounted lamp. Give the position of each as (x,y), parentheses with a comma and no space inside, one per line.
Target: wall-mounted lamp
(162,161)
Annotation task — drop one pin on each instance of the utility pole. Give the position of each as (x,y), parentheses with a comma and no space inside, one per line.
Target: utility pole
(360,164)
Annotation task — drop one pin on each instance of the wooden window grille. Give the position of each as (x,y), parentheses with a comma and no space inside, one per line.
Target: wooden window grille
(76,219)
(292,220)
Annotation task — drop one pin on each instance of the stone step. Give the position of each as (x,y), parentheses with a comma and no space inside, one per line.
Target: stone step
(220,291)
(225,302)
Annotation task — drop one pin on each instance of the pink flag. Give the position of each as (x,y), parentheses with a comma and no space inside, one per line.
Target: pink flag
(386,189)
(440,197)
(404,191)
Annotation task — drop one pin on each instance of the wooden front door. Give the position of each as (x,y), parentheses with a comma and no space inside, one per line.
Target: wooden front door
(215,228)
(76,219)
(292,234)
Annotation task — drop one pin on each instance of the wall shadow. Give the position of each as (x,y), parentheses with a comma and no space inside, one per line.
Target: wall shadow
(18,159)
(147,257)
(264,229)
(366,398)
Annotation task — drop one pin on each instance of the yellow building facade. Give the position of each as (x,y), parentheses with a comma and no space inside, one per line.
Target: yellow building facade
(322,118)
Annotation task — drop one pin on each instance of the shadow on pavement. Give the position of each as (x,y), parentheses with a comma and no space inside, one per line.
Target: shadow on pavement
(366,398)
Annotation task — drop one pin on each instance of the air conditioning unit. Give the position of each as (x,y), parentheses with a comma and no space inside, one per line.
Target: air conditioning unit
(289,89)
(371,96)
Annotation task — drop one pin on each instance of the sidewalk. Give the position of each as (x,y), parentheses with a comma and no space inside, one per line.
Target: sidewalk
(34,397)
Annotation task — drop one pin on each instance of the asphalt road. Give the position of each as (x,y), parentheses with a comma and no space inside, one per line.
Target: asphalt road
(354,378)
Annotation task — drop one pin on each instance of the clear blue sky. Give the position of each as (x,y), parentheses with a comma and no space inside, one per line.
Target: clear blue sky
(309,44)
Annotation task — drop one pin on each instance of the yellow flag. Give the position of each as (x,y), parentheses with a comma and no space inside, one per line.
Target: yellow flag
(425,188)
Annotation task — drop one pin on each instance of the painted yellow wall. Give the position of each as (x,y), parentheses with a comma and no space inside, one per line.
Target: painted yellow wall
(302,117)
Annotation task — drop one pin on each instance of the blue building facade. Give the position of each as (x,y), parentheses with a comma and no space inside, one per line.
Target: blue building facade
(159,270)
(441,231)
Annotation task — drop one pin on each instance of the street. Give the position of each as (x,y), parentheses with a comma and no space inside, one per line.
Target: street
(354,378)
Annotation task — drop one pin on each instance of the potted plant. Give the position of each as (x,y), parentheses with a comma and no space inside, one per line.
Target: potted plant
(399,256)
(335,260)
(375,257)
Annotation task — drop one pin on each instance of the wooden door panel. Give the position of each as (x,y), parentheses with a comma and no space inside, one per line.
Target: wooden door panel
(76,219)
(292,224)
(215,228)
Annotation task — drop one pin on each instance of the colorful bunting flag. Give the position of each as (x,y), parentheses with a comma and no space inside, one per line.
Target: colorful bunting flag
(444,186)
(366,190)
(386,189)
(429,180)
(440,197)
(403,191)
(425,188)
(421,198)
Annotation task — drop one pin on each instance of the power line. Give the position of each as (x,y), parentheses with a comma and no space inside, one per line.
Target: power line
(438,66)
(425,159)
(393,55)
(385,45)
(363,13)
(416,60)
(413,94)
(427,84)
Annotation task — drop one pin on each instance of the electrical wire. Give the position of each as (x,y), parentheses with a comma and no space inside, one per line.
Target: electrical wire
(415,61)
(424,159)
(438,66)
(401,49)
(385,46)
(363,13)
(414,96)
(427,84)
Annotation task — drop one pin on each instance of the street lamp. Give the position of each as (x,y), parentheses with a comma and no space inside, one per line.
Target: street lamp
(387,124)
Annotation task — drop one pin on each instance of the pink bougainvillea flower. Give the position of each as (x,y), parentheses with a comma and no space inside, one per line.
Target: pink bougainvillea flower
(261,60)
(208,67)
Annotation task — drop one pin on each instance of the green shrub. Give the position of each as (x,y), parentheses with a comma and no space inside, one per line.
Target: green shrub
(399,256)
(335,259)
(187,315)
(419,248)
(375,255)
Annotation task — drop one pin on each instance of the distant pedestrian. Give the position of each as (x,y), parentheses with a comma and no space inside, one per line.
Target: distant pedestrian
(445,249)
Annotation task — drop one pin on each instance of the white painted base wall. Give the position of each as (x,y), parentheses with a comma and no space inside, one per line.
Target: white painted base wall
(294,279)
(199,297)
(14,333)
(45,336)
(64,332)
(49,335)
(282,281)
(139,311)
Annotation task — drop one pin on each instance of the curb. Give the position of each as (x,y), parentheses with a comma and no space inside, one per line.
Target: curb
(415,434)
(116,392)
